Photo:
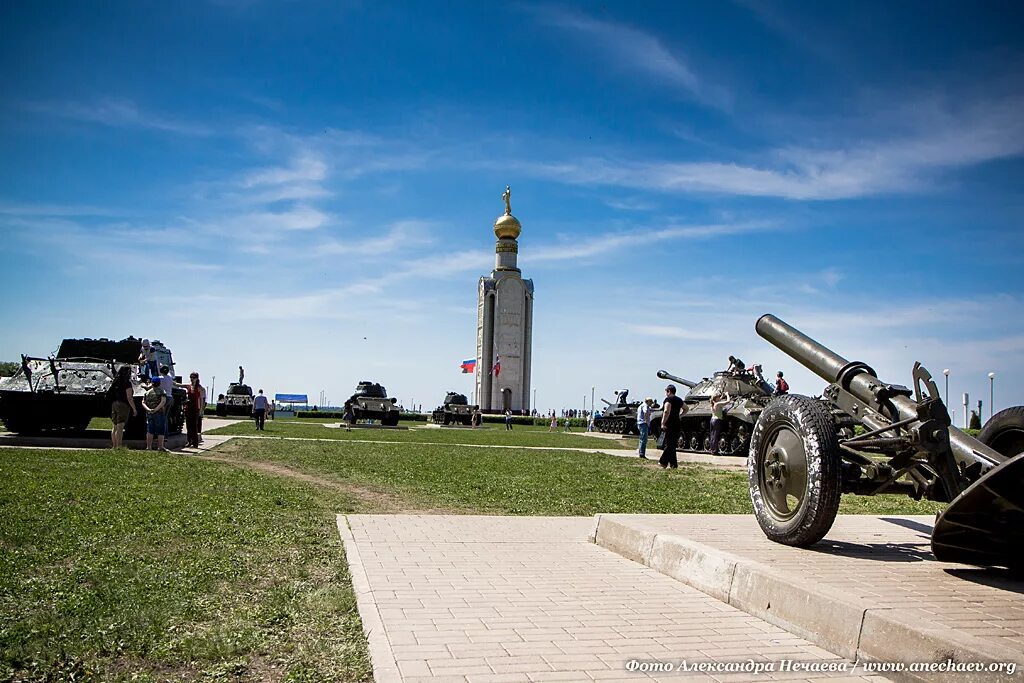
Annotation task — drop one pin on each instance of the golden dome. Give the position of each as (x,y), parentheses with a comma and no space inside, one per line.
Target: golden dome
(507,227)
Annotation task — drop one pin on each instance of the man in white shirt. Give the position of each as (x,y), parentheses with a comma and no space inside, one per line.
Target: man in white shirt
(259,410)
(643,424)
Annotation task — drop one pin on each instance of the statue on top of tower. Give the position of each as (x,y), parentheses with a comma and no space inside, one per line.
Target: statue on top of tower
(507,196)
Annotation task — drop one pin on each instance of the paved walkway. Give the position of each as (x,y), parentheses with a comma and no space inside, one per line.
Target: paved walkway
(879,571)
(460,598)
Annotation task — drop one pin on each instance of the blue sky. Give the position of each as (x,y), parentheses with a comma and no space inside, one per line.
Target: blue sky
(308,189)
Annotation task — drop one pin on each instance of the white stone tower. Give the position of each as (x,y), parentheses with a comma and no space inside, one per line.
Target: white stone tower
(504,325)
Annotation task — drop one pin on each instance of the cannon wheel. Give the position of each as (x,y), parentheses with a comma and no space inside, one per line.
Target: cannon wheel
(794,470)
(1004,431)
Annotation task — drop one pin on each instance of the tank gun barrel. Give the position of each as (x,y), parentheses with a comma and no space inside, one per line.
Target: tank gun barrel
(678,380)
(860,381)
(607,402)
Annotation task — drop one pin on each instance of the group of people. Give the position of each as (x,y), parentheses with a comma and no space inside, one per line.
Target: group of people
(157,402)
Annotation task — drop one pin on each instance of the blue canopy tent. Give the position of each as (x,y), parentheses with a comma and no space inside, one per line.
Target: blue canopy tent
(291,400)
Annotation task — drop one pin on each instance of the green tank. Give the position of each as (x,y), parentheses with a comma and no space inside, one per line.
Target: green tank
(618,417)
(455,410)
(749,395)
(371,402)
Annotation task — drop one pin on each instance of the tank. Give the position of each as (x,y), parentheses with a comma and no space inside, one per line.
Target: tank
(371,402)
(236,401)
(749,395)
(64,391)
(618,417)
(456,410)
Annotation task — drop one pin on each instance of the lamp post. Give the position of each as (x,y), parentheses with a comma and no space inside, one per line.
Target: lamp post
(591,400)
(534,406)
(213,387)
(946,373)
(991,394)
(967,402)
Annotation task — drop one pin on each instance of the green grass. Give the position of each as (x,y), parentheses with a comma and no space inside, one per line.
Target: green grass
(118,565)
(527,482)
(490,435)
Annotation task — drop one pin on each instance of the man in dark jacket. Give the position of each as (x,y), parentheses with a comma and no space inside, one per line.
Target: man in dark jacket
(673,409)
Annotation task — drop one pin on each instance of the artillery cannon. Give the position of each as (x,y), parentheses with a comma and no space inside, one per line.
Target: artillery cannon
(804,454)
(748,400)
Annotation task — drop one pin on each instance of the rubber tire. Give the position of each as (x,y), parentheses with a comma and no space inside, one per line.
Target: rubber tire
(1004,431)
(812,421)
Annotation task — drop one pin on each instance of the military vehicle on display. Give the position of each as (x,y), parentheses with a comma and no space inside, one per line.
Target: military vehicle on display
(620,417)
(456,410)
(749,395)
(63,392)
(802,458)
(237,400)
(371,402)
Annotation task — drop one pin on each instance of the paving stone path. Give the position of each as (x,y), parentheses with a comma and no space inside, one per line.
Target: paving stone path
(475,599)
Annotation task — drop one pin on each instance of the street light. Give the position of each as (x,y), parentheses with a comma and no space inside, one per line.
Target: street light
(991,394)
(591,400)
(946,373)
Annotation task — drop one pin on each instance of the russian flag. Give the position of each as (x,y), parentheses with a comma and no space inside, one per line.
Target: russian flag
(468,366)
(497,367)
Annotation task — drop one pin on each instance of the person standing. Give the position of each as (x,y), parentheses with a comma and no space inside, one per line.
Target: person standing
(259,410)
(155,403)
(508,420)
(122,404)
(348,416)
(643,425)
(167,384)
(781,385)
(718,403)
(194,402)
(673,409)
(554,422)
(147,358)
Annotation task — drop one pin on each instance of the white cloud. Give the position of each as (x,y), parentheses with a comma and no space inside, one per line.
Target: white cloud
(296,218)
(613,241)
(304,168)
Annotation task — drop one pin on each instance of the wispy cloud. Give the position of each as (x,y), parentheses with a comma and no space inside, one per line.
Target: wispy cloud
(118,113)
(637,51)
(613,241)
(983,132)
(400,235)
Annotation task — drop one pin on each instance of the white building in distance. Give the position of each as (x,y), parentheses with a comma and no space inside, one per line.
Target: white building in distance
(504,325)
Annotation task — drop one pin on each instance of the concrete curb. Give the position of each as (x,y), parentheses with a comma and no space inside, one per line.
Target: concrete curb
(382,657)
(820,614)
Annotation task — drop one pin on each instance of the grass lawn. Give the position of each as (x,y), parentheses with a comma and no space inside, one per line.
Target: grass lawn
(493,435)
(118,565)
(527,482)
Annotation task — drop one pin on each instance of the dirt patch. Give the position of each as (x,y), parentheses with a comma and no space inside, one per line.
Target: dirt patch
(375,499)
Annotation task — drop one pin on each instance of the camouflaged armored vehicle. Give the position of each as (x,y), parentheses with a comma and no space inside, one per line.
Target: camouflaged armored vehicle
(237,401)
(371,402)
(620,417)
(749,397)
(64,391)
(456,410)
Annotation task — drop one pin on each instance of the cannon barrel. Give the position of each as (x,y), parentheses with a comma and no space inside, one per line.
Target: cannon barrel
(862,382)
(678,380)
